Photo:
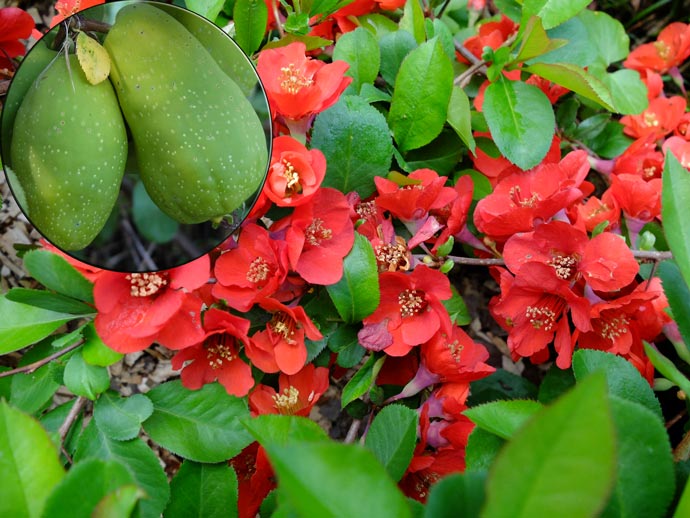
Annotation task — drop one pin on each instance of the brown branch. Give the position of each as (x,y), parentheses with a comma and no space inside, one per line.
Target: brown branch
(71,417)
(352,431)
(28,369)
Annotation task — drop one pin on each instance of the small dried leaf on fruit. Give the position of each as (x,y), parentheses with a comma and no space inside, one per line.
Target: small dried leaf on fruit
(93,59)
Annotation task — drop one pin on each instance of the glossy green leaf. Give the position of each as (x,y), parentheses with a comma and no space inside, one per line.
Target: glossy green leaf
(645,479)
(356,295)
(419,107)
(392,438)
(119,503)
(412,20)
(85,380)
(535,41)
(556,382)
(511,8)
(481,450)
(283,429)
(459,117)
(51,301)
(360,50)
(460,494)
(86,483)
(675,199)
(553,12)
(311,42)
(394,48)
(356,142)
(578,51)
(29,465)
(333,479)
(95,352)
(678,295)
(482,185)
(683,507)
(204,490)
(576,79)
(457,309)
(623,380)
(206,8)
(517,113)
(31,392)
(23,325)
(566,458)
(503,418)
(151,222)
(120,418)
(250,17)
(667,368)
(55,273)
(139,459)
(501,385)
(607,34)
(441,154)
(201,425)
(628,92)
(361,382)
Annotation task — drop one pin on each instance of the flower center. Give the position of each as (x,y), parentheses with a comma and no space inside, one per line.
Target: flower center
(411,302)
(218,351)
(650,120)
(292,79)
(366,209)
(541,317)
(259,270)
(282,324)
(287,402)
(316,233)
(146,284)
(602,207)
(291,175)
(517,198)
(613,328)
(662,49)
(392,257)
(564,265)
(455,349)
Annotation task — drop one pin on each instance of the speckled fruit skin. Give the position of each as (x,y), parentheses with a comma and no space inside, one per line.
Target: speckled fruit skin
(200,146)
(68,152)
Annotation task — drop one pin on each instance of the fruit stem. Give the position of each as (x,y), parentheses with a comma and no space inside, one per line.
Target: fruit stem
(78,23)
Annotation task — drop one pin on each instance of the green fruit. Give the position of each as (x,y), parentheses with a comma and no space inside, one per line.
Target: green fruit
(200,146)
(68,153)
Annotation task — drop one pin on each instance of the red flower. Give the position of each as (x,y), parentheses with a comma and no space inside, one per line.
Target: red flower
(552,90)
(637,198)
(297,393)
(670,49)
(410,311)
(280,347)
(491,34)
(253,270)
(659,119)
(295,174)
(641,158)
(67,8)
(455,358)
(319,235)
(255,479)
(298,86)
(680,149)
(454,215)
(15,24)
(595,211)
(90,272)
(217,356)
(136,309)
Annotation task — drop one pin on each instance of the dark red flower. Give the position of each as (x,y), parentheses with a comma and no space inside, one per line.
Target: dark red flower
(255,479)
(297,393)
(15,24)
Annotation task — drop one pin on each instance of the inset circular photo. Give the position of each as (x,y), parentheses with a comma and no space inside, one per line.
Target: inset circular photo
(136,136)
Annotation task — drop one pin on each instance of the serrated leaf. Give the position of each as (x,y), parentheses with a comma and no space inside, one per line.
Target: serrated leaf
(361,51)
(607,34)
(535,41)
(392,438)
(459,117)
(208,490)
(283,429)
(419,107)
(356,295)
(460,494)
(29,465)
(503,418)
(412,20)
(501,385)
(553,12)
(321,479)
(201,425)
(361,382)
(675,198)
(51,301)
(678,295)
(394,47)
(556,382)
(121,418)
(567,449)
(578,51)
(85,380)
(93,59)
(356,142)
(250,17)
(457,309)
(119,503)
(481,450)
(628,92)
(622,379)
(56,274)
(517,113)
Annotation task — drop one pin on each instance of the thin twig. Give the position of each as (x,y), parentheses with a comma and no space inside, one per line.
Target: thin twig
(28,369)
(352,431)
(71,417)
(676,418)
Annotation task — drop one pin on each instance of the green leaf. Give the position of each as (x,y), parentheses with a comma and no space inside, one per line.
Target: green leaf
(457,309)
(553,12)
(360,49)
(361,382)
(628,92)
(412,20)
(675,198)
(683,507)
(371,94)
(482,185)
(139,459)
(311,42)
(56,274)
(501,385)
(201,425)
(85,380)
(576,79)
(459,117)
(250,17)
(23,325)
(333,479)
(645,477)
(29,465)
(481,450)
(566,458)
(556,382)
(579,49)
(678,296)
(460,494)
(207,8)
(283,429)
(51,301)
(503,418)
(356,142)
(32,391)
(394,47)
(119,503)
(121,418)
(511,8)
(392,438)
(667,368)
(623,380)
(356,295)
(94,351)
(517,113)
(441,154)
(535,41)
(608,36)
(151,222)
(419,107)
(208,490)
(86,483)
